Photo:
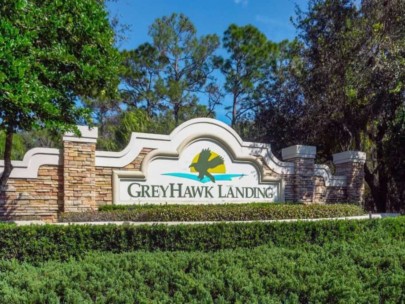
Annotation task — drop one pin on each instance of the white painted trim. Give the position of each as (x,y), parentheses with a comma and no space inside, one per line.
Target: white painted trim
(117,175)
(164,145)
(33,159)
(349,157)
(188,132)
(118,223)
(142,176)
(330,180)
(79,139)
(88,134)
(298,151)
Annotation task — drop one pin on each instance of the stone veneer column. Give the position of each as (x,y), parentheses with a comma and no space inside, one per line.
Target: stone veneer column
(351,165)
(303,158)
(79,177)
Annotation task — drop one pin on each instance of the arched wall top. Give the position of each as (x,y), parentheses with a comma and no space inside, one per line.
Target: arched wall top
(33,159)
(329,179)
(175,169)
(171,146)
(184,134)
(188,132)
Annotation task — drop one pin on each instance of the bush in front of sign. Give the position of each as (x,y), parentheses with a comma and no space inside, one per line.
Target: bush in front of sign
(217,212)
(337,272)
(52,242)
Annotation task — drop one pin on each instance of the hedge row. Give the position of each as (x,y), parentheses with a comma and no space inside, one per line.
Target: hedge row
(338,272)
(227,212)
(52,242)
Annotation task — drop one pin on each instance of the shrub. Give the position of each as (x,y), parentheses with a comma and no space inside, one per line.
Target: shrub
(53,242)
(224,212)
(339,272)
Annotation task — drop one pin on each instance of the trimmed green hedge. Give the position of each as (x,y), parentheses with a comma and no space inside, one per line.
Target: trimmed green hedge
(338,272)
(52,242)
(224,212)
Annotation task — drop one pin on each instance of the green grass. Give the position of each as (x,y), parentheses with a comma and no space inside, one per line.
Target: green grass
(216,212)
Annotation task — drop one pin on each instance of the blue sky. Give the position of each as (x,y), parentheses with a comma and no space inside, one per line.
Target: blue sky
(272,17)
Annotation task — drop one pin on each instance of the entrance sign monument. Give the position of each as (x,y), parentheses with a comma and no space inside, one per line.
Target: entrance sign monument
(203,161)
(197,175)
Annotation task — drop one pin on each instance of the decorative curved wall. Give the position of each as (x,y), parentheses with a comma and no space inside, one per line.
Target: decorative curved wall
(202,161)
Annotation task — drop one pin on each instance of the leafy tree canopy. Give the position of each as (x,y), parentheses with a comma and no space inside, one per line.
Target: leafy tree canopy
(52,53)
(345,89)
(170,73)
(250,55)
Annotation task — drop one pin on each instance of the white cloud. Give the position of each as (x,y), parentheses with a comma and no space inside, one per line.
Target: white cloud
(270,21)
(243,2)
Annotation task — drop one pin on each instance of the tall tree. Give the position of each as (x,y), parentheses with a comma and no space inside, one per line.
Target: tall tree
(354,80)
(349,87)
(282,106)
(51,54)
(380,81)
(142,78)
(331,38)
(250,54)
(174,69)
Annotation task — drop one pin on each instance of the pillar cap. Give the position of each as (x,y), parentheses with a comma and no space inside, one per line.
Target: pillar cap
(298,151)
(349,157)
(88,135)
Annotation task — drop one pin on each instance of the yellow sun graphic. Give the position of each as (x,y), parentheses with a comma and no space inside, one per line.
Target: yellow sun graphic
(218,169)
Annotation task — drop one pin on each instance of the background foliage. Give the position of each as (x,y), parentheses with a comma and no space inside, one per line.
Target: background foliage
(339,85)
(52,53)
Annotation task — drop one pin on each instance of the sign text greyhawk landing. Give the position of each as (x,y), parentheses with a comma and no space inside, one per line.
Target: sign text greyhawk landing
(179,190)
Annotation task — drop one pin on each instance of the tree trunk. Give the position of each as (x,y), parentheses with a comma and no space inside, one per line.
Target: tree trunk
(382,204)
(378,180)
(373,183)
(378,184)
(176,113)
(234,111)
(149,108)
(7,161)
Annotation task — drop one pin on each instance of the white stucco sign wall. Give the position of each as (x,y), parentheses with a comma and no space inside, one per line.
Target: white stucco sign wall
(203,173)
(204,161)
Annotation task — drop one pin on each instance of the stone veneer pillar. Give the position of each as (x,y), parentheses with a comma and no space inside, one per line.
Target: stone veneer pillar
(303,158)
(79,177)
(351,165)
